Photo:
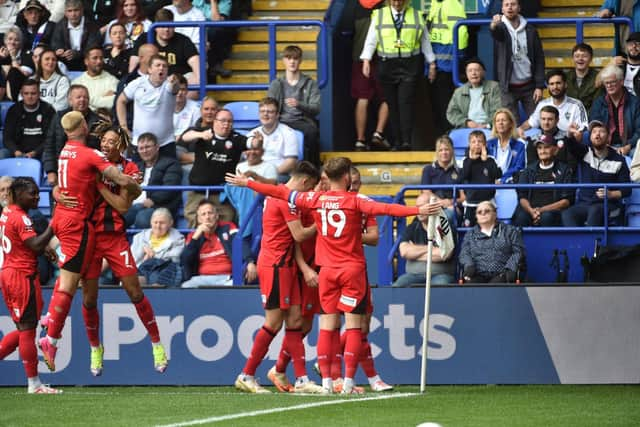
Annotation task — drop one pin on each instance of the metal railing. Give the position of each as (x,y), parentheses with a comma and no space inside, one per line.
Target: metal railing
(579,23)
(322,59)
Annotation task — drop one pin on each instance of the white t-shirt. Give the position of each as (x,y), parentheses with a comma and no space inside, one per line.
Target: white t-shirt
(264,169)
(282,143)
(630,74)
(152,109)
(571,111)
(192,14)
(186,118)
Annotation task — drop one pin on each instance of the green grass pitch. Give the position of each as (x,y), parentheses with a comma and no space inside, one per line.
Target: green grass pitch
(449,406)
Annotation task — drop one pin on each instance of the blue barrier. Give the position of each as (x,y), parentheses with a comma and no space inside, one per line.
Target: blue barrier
(202,87)
(579,22)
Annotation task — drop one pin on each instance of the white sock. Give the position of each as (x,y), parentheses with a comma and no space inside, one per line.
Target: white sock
(348,384)
(34,382)
(327,384)
(373,380)
(302,380)
(53,341)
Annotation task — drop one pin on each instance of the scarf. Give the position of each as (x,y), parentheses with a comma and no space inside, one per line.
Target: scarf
(620,118)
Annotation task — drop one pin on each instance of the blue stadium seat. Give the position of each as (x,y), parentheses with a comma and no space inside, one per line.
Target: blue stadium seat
(4,107)
(21,167)
(74,75)
(245,114)
(533,132)
(506,202)
(300,137)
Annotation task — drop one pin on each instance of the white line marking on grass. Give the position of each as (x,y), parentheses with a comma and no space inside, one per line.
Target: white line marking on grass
(285,409)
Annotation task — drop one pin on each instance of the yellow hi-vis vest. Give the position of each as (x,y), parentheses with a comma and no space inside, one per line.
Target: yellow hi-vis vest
(394,45)
(441,19)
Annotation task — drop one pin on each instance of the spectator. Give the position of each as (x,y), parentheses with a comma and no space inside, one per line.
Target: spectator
(581,80)
(5,191)
(519,58)
(17,65)
(100,84)
(206,259)
(366,89)
(549,119)
(130,14)
(298,99)
(157,251)
(280,142)
(180,52)
(543,207)
(442,16)
(508,151)
(598,163)
(157,170)
(474,103)
(54,86)
(217,152)
(492,252)
(187,111)
(73,35)
(444,171)
(186,151)
(8,13)
(27,123)
(478,168)
(629,62)
(630,8)
(33,20)
(100,12)
(413,248)
(570,109)
(255,166)
(634,168)
(399,35)
(145,53)
(56,138)
(117,54)
(623,126)
(183,11)
(154,100)
(220,39)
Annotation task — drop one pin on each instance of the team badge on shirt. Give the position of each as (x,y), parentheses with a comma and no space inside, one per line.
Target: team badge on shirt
(39,118)
(228,144)
(454,175)
(485,172)
(26,221)
(225,236)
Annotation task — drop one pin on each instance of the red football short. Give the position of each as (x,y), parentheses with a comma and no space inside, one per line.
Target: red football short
(115,248)
(365,88)
(77,241)
(22,295)
(343,290)
(279,287)
(310,304)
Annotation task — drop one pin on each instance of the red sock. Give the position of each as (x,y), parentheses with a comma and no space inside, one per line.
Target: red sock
(337,348)
(293,338)
(352,351)
(283,358)
(145,312)
(9,343)
(58,310)
(259,349)
(28,352)
(92,325)
(324,352)
(366,358)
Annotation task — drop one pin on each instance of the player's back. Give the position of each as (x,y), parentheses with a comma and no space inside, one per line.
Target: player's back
(77,168)
(276,247)
(15,228)
(106,218)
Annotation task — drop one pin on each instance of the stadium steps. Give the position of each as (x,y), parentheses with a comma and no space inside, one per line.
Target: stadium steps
(249,59)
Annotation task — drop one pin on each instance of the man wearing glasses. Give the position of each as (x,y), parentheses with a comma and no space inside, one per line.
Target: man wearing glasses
(217,151)
(279,140)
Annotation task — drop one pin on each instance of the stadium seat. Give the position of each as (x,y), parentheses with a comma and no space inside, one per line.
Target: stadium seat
(460,138)
(4,108)
(506,202)
(73,75)
(533,132)
(21,166)
(245,114)
(300,137)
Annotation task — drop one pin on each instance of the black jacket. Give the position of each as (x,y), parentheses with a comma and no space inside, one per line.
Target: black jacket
(28,38)
(90,37)
(18,121)
(563,175)
(166,171)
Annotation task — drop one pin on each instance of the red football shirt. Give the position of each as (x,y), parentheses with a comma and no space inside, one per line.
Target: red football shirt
(338,217)
(276,247)
(308,246)
(213,259)
(77,168)
(15,228)
(105,217)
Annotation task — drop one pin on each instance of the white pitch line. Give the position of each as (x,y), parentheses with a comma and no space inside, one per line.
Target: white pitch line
(285,409)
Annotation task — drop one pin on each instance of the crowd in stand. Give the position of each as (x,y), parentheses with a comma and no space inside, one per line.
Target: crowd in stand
(93,57)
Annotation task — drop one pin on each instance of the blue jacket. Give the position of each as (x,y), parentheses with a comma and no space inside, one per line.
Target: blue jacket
(516,157)
(600,111)
(614,7)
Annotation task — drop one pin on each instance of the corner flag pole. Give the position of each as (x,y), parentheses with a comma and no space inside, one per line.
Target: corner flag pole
(431,228)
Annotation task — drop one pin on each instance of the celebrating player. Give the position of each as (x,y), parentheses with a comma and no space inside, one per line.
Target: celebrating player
(77,168)
(279,288)
(342,279)
(20,279)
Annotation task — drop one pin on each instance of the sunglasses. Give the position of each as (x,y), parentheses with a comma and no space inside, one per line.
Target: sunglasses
(484,211)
